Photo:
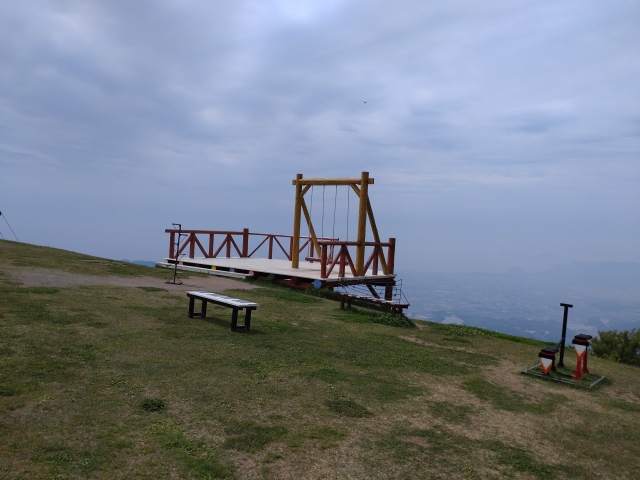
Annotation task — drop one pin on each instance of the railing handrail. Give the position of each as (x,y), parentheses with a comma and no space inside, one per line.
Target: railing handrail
(353,243)
(230,232)
(329,258)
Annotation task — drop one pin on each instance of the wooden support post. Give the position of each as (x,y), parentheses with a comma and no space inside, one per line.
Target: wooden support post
(173,249)
(271,247)
(391,255)
(388,292)
(297,212)
(210,245)
(362,223)
(228,246)
(312,232)
(245,243)
(376,238)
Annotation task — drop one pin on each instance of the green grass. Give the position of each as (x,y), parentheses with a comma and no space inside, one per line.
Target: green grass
(116,382)
(348,408)
(461,331)
(506,399)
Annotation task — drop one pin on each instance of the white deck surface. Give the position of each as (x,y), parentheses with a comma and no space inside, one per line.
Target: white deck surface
(280,267)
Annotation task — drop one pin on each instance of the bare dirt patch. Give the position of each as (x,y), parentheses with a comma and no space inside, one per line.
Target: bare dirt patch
(417,441)
(44,277)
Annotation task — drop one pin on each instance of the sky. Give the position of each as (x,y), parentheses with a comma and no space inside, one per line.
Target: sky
(499,134)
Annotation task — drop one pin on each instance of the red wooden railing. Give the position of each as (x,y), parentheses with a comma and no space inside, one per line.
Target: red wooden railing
(238,243)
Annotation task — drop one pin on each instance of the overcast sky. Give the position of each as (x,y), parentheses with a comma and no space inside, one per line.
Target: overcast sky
(498,133)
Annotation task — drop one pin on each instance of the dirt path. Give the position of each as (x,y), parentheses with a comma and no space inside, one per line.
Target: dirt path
(44,277)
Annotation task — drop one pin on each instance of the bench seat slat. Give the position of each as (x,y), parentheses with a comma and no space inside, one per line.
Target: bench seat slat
(234,302)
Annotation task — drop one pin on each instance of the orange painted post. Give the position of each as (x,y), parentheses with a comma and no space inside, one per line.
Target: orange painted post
(362,223)
(391,256)
(297,212)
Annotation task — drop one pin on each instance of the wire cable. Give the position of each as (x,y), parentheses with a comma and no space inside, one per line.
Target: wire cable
(323,189)
(348,197)
(5,219)
(335,203)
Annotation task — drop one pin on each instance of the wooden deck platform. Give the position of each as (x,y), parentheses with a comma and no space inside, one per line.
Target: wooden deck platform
(307,272)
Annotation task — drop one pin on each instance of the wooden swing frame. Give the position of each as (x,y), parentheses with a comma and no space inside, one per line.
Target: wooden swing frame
(361,187)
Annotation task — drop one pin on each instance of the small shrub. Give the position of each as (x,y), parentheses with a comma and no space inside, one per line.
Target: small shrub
(153,404)
(323,293)
(623,347)
(398,320)
(363,316)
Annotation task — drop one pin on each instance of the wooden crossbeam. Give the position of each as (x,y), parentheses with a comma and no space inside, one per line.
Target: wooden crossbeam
(329,181)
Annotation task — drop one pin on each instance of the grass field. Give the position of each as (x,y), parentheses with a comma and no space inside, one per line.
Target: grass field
(109,381)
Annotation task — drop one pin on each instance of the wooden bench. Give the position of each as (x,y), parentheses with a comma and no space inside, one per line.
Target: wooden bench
(235,303)
(392,306)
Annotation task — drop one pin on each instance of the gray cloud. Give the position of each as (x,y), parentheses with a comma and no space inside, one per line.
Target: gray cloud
(490,124)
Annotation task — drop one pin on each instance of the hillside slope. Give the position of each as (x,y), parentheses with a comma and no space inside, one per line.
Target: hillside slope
(102,375)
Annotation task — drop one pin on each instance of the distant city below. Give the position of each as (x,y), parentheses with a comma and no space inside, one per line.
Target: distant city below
(605,295)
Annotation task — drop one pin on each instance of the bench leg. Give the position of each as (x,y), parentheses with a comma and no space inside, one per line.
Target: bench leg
(191,302)
(204,309)
(234,320)
(247,318)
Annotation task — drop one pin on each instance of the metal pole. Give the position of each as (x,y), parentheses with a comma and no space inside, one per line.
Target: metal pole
(564,332)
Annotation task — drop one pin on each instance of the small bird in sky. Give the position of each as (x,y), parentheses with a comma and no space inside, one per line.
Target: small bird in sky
(365,102)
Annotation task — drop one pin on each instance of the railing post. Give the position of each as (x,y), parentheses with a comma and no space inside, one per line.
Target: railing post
(323,262)
(192,245)
(172,247)
(245,242)
(391,255)
(271,247)
(210,245)
(343,261)
(228,245)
